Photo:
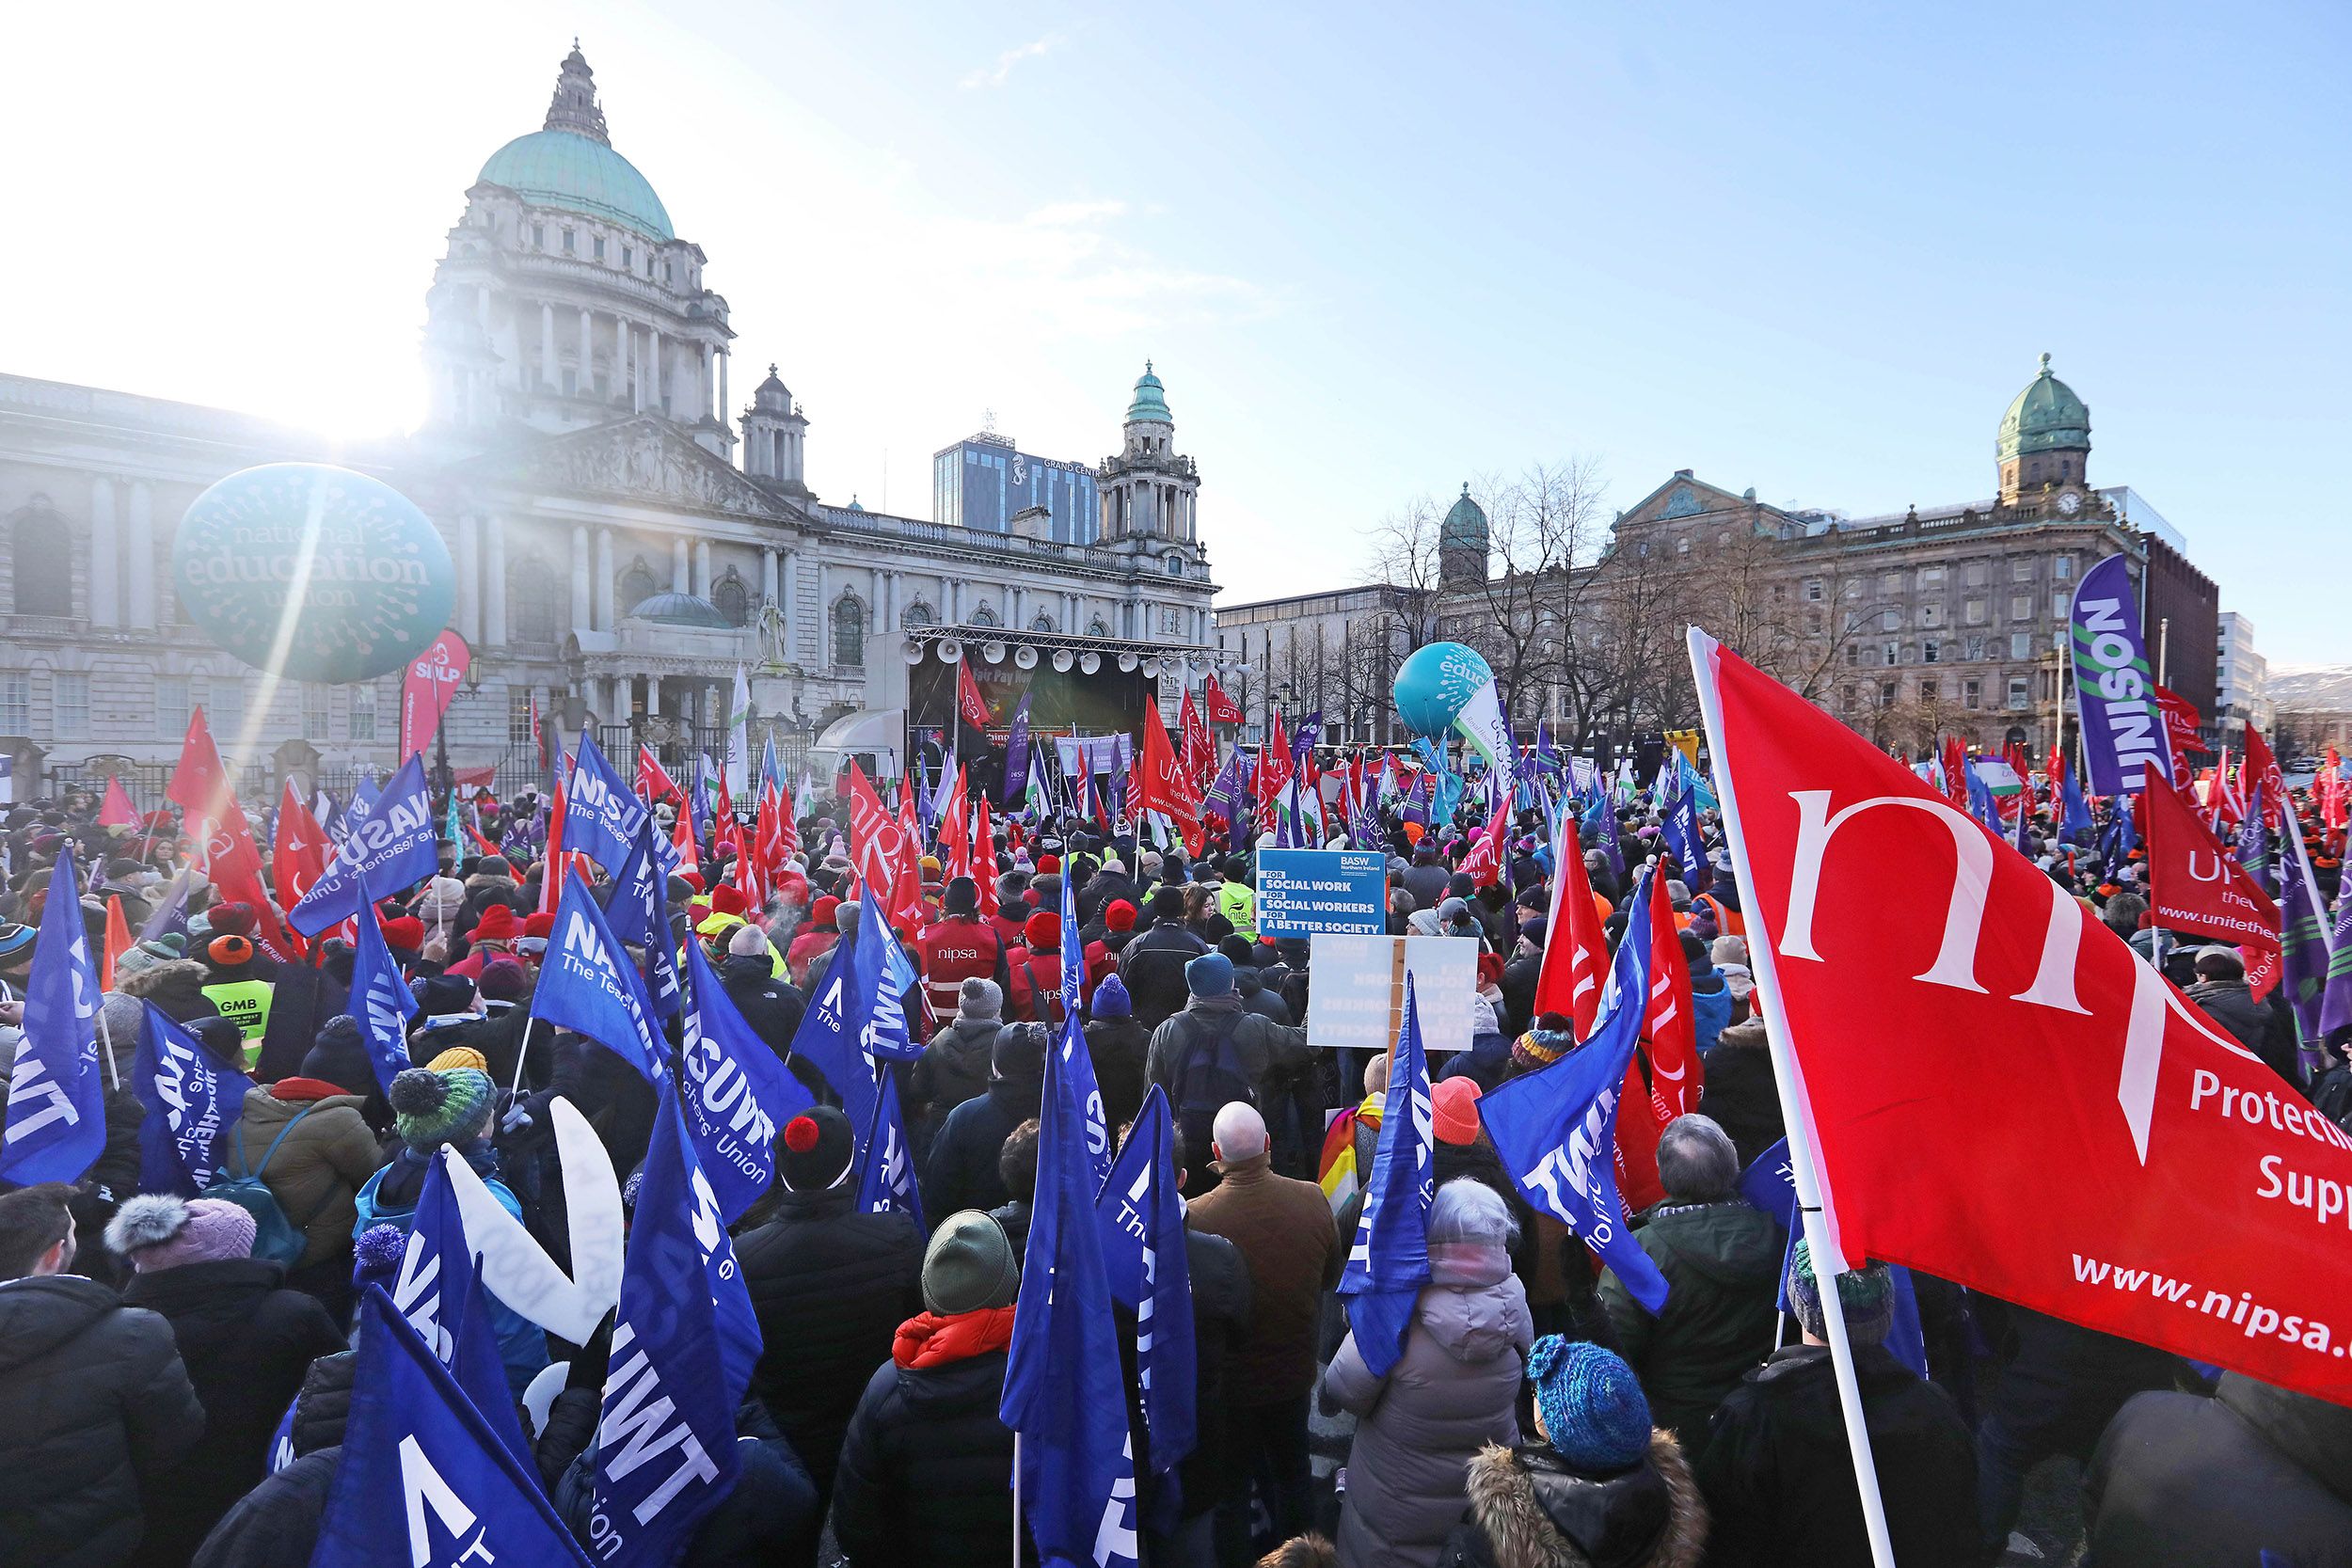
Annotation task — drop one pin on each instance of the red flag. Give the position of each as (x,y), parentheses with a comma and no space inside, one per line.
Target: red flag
(117,811)
(2195,885)
(118,942)
(654,783)
(1485,861)
(234,864)
(1273,772)
(955,829)
(2263,768)
(1956,771)
(2193,1213)
(1199,751)
(2180,723)
(1160,783)
(1576,950)
(427,688)
(1221,709)
(984,855)
(969,702)
(682,840)
(298,855)
(880,851)
(552,865)
(199,785)
(1676,1074)
(748,880)
(1636,1151)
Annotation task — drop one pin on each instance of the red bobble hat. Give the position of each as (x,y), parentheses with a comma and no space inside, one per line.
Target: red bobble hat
(822,912)
(1041,930)
(405,932)
(541,925)
(1119,915)
(726,898)
(498,924)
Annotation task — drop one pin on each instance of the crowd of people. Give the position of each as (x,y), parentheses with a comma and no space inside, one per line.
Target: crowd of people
(175,1375)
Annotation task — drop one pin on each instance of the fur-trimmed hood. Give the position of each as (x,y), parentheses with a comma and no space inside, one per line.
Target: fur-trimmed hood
(1536,1512)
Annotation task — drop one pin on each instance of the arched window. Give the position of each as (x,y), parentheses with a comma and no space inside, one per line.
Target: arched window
(41,548)
(848,634)
(1096,628)
(984,617)
(918,614)
(1042,623)
(537,608)
(733,599)
(637,584)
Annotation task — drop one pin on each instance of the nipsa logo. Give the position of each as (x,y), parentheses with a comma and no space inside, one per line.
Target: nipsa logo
(322,573)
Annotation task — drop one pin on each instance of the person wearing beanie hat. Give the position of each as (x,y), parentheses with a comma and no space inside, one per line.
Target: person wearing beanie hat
(1710,995)
(955,1064)
(805,956)
(926,1467)
(1119,915)
(240,986)
(404,935)
(1551,1037)
(454,1109)
(1119,1047)
(327,1155)
(1600,1484)
(752,972)
(959,946)
(1453,1106)
(1152,960)
(829,1286)
(1210,975)
(502,984)
(1217,1051)
(1033,971)
(1721,1257)
(1451,1393)
(1777,1469)
(245,1342)
(960,1171)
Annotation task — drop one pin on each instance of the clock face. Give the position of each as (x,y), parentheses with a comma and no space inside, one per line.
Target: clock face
(2070,503)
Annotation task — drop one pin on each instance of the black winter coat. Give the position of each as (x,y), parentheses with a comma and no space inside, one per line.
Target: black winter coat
(2181,1481)
(1530,1508)
(1117,1046)
(770,1005)
(277,1523)
(2266,1028)
(1778,1473)
(1518,992)
(95,1409)
(1221,1322)
(1152,968)
(961,1172)
(926,1477)
(1741,1095)
(771,1519)
(953,1068)
(247,1343)
(831,1287)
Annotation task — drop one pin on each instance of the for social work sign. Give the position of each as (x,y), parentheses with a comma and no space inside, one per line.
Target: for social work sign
(1301,892)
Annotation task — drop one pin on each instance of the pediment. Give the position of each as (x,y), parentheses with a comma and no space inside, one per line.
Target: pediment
(642,459)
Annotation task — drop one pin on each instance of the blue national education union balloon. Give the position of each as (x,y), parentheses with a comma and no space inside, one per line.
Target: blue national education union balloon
(363,576)
(1436,683)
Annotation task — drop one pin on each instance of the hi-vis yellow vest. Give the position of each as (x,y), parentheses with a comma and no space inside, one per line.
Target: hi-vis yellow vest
(244,1002)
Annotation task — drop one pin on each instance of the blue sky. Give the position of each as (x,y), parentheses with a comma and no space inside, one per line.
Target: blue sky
(1374,250)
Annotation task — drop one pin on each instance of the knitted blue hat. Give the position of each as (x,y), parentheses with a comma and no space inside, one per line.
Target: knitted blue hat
(1592,1404)
(1111,999)
(1210,974)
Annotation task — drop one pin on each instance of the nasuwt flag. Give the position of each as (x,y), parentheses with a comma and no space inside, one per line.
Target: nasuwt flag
(427,686)
(1142,1222)
(439,1291)
(391,842)
(637,910)
(2122,729)
(588,983)
(57,1108)
(885,1171)
(2201,1213)
(380,1001)
(602,813)
(737,1091)
(190,1099)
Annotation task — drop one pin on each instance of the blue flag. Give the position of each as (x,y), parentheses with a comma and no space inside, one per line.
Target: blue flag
(1076,1056)
(638,912)
(381,1000)
(1064,1390)
(1389,1263)
(1982,805)
(601,814)
(589,983)
(2074,822)
(439,1291)
(885,1037)
(424,1481)
(1770,1184)
(1684,840)
(1142,1219)
(191,1100)
(737,1092)
(171,916)
(833,1031)
(885,1171)
(57,1121)
(389,840)
(1556,1129)
(666,1453)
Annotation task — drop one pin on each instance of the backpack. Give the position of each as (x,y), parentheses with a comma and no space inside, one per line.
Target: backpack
(1208,1079)
(275,1238)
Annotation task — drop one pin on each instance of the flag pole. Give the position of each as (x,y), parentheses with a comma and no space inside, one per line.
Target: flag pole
(1016,1497)
(113,1073)
(1796,1112)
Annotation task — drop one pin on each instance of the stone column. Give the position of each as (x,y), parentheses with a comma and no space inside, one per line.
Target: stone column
(678,580)
(105,556)
(582,610)
(587,360)
(600,584)
(142,554)
(702,568)
(791,603)
(768,576)
(548,377)
(469,581)
(824,613)
(726,412)
(623,372)
(654,390)
(494,587)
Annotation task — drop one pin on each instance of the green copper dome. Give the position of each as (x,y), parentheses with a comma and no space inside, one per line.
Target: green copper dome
(1464,526)
(1150,400)
(681,609)
(2045,417)
(558,169)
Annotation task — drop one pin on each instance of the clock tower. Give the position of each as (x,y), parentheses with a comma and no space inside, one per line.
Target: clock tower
(2043,442)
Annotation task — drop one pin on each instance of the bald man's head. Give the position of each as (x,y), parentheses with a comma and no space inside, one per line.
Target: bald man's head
(1238,1133)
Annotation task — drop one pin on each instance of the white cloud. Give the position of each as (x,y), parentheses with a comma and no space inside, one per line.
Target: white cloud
(996,75)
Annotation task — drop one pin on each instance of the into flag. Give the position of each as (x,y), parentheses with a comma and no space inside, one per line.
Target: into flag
(57,1115)
(190,1099)
(1389,1260)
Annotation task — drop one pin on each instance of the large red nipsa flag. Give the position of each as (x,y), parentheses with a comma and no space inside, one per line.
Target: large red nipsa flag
(1999,1092)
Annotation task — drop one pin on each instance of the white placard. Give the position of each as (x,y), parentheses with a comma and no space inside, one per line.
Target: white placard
(1348,1003)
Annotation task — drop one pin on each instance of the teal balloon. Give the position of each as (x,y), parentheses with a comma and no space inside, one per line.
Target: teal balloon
(343,568)
(1436,683)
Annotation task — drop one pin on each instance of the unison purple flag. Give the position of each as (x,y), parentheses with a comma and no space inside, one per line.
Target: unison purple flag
(2122,726)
